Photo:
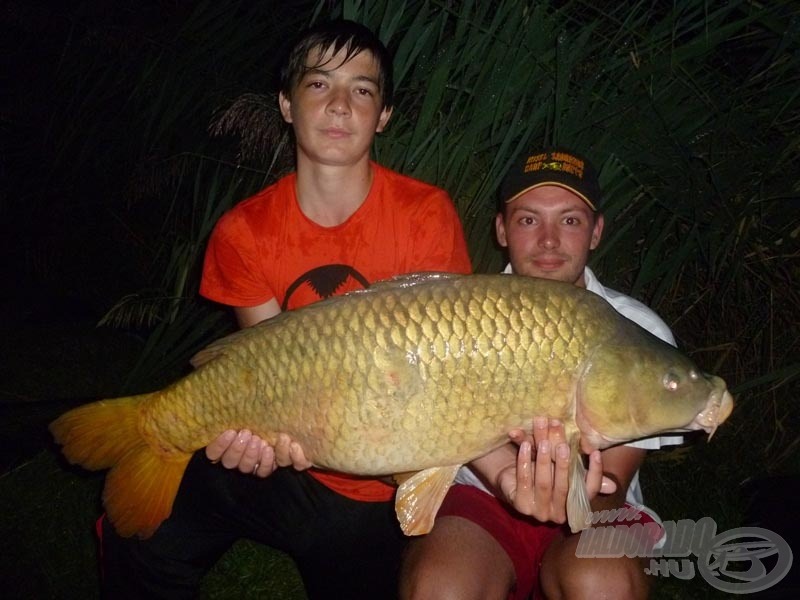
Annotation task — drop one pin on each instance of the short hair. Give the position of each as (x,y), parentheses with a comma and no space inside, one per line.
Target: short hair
(336,35)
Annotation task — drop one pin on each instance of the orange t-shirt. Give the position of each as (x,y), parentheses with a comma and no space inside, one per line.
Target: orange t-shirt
(265,248)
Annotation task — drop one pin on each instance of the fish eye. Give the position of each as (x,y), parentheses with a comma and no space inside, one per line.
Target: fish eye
(672,381)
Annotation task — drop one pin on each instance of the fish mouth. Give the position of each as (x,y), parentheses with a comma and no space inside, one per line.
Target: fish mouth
(718,409)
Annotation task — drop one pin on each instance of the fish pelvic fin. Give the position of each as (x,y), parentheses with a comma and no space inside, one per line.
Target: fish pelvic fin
(579,510)
(420,496)
(142,484)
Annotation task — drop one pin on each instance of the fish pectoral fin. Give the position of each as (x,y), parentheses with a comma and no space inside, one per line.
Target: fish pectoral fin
(401,478)
(579,510)
(420,496)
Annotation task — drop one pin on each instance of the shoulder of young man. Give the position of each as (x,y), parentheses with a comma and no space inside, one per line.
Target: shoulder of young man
(267,200)
(405,188)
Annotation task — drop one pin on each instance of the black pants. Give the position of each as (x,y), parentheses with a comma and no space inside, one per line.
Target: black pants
(343,548)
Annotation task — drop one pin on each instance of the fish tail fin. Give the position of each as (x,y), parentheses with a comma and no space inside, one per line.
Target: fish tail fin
(141,489)
(579,509)
(98,435)
(143,481)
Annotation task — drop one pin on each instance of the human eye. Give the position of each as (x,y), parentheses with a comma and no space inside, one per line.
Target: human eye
(365,92)
(572,220)
(526,221)
(314,80)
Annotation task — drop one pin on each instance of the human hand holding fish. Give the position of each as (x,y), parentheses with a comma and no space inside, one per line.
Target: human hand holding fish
(538,485)
(252,455)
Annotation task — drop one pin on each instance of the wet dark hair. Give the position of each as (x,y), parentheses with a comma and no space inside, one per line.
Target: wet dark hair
(335,35)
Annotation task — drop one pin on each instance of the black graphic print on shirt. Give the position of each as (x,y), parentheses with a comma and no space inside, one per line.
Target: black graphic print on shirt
(323,282)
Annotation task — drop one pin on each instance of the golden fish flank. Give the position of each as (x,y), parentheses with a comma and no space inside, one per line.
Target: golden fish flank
(421,373)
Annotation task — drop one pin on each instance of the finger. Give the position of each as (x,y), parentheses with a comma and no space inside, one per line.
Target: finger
(266,461)
(595,480)
(558,501)
(249,461)
(283,456)
(539,430)
(517,436)
(524,480)
(523,496)
(555,433)
(216,448)
(507,484)
(233,453)
(299,460)
(543,473)
(608,486)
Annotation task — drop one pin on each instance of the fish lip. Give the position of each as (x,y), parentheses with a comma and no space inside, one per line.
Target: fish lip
(718,409)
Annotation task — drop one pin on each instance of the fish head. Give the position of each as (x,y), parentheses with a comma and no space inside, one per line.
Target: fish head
(628,391)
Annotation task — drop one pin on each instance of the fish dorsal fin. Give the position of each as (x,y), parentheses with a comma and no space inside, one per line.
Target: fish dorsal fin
(420,496)
(411,279)
(579,510)
(398,282)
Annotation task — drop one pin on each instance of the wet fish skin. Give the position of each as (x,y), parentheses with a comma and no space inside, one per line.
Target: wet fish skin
(422,373)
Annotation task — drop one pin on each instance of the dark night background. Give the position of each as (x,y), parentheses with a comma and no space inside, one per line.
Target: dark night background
(122,121)
(71,148)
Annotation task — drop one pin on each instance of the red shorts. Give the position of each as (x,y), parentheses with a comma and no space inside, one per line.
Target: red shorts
(524,539)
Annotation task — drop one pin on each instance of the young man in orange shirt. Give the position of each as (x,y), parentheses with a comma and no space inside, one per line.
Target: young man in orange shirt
(339,223)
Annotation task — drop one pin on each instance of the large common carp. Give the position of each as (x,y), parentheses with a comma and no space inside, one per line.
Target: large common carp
(421,374)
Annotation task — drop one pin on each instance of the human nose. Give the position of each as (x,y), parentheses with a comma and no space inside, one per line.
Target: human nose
(339,103)
(548,238)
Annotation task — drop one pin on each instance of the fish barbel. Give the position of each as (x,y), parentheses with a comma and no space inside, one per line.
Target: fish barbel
(421,373)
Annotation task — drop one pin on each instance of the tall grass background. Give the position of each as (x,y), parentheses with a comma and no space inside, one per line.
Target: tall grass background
(159,118)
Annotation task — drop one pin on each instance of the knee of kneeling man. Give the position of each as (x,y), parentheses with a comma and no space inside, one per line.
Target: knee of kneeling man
(431,588)
(618,578)
(423,583)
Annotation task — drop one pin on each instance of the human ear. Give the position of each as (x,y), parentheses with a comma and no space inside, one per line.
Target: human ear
(597,231)
(285,105)
(500,230)
(386,114)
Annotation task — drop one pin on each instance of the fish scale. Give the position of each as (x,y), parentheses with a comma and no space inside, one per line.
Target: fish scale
(418,374)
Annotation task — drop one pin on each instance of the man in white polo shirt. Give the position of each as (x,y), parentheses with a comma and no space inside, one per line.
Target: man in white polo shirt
(499,533)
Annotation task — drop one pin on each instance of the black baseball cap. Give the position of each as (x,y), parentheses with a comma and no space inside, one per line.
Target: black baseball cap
(558,166)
